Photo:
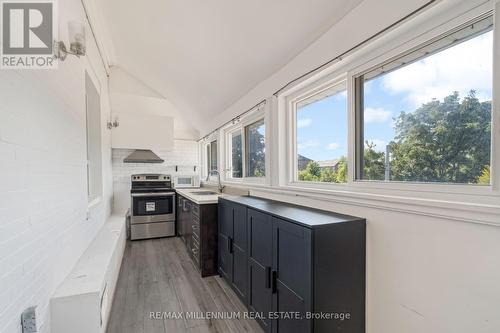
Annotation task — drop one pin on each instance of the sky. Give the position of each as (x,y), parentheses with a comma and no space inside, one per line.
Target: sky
(322,125)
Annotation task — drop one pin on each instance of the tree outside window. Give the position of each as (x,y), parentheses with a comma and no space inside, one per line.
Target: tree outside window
(236,155)
(428,118)
(255,149)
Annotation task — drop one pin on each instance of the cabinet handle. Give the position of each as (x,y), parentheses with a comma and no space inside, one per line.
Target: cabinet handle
(275,282)
(231,245)
(268,277)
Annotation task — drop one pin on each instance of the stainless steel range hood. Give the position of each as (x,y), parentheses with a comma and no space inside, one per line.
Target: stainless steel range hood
(143,156)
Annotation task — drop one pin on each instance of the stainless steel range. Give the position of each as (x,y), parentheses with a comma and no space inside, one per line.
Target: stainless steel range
(152,206)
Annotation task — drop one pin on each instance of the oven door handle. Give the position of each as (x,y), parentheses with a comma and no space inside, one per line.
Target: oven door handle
(153,194)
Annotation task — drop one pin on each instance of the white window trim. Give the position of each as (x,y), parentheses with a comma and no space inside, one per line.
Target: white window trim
(240,125)
(329,81)
(442,188)
(229,152)
(204,159)
(94,199)
(358,64)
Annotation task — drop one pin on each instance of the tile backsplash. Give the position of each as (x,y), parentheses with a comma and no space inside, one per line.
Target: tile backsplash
(184,156)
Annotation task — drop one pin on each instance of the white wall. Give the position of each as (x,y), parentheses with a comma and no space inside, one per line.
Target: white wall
(129,95)
(43,191)
(425,272)
(362,22)
(184,155)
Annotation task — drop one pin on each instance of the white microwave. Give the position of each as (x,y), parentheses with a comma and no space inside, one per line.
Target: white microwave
(186,181)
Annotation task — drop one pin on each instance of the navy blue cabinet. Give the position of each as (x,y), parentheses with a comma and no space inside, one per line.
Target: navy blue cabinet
(293,275)
(233,256)
(260,262)
(239,251)
(225,258)
(305,268)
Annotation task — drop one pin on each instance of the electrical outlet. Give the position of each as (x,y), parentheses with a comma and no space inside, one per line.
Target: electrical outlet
(28,320)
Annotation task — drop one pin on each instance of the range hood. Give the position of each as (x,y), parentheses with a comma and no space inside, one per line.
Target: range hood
(143,156)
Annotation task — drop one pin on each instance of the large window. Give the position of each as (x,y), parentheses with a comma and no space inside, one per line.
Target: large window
(94,157)
(321,136)
(426,116)
(255,151)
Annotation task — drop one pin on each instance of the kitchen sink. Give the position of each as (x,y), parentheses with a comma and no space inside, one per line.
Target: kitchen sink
(204,193)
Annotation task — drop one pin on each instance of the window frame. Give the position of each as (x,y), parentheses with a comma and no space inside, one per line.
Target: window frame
(205,154)
(358,86)
(91,128)
(246,143)
(229,152)
(390,46)
(293,100)
(210,153)
(240,125)
(397,52)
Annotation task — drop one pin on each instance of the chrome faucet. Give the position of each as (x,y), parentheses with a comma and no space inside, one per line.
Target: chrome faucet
(221,187)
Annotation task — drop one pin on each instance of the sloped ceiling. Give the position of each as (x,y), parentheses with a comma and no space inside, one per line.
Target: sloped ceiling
(204,55)
(130,96)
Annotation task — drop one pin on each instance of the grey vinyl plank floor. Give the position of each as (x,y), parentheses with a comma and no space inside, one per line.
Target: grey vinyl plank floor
(157,276)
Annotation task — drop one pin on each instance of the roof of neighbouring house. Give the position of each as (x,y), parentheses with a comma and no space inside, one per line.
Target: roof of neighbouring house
(328,163)
(302,162)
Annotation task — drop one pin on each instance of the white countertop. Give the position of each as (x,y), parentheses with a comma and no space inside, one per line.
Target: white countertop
(199,199)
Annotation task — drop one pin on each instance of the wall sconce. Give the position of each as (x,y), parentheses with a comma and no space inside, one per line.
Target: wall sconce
(76,32)
(113,124)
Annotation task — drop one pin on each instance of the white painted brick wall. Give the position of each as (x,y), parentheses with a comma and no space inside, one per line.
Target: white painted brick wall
(43,189)
(184,155)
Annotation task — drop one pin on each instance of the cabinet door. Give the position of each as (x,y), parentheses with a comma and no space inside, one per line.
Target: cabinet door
(292,282)
(180,201)
(225,258)
(260,255)
(239,251)
(187,223)
(184,220)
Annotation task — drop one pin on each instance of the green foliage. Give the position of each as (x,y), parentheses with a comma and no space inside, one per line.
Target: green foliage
(237,156)
(445,141)
(485,178)
(256,164)
(313,173)
(374,163)
(341,174)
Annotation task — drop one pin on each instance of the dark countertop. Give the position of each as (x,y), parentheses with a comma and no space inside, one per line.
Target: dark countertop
(298,214)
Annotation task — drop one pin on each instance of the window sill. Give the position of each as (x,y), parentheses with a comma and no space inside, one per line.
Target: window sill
(451,192)
(245,184)
(94,202)
(248,180)
(459,210)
